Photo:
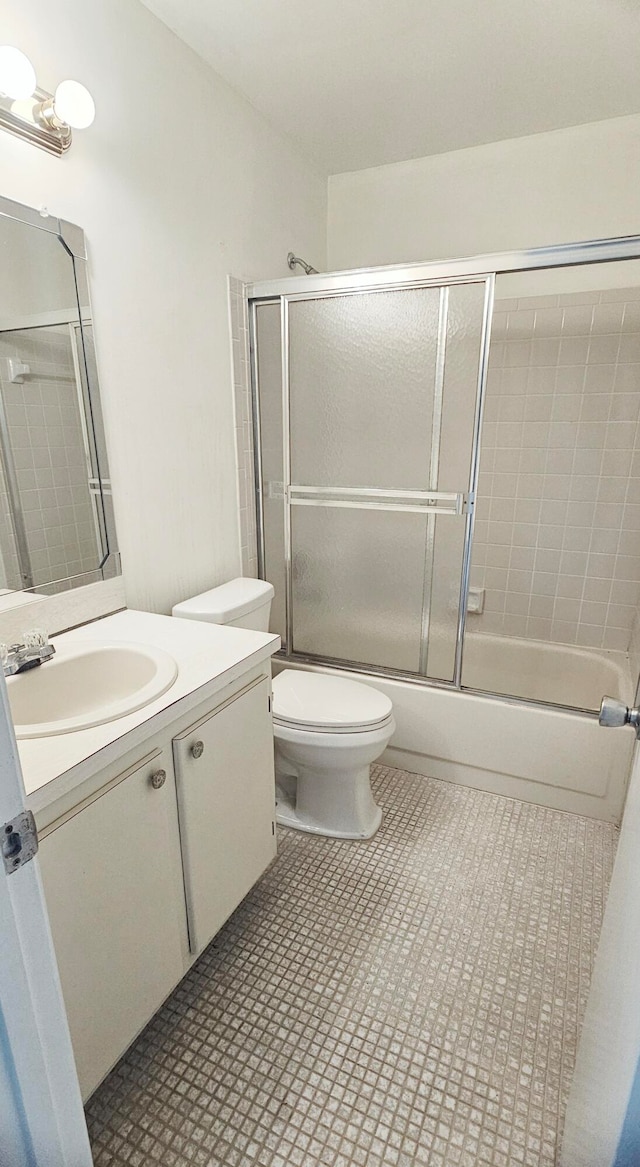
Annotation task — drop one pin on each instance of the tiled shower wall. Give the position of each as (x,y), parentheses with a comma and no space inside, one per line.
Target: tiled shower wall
(557,540)
(46,437)
(634,648)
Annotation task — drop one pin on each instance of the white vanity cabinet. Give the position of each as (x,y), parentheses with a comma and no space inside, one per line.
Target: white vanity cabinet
(109,873)
(226,801)
(142,865)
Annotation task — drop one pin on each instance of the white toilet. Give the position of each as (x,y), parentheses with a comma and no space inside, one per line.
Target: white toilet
(327,729)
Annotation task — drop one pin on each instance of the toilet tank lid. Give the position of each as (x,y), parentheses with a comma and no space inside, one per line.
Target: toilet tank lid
(229,601)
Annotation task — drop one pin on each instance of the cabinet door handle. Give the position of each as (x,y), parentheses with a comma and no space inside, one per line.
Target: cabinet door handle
(158,779)
(197,750)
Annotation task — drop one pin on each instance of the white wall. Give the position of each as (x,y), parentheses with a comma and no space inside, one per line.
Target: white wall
(579,183)
(178,183)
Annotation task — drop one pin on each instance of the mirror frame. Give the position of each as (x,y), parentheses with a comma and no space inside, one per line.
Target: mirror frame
(72,238)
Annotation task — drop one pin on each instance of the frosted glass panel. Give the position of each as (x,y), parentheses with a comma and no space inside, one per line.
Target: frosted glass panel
(382,397)
(462,356)
(442,601)
(269,363)
(362,374)
(358,580)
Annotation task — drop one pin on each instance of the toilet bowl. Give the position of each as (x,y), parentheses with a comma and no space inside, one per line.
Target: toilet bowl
(327,730)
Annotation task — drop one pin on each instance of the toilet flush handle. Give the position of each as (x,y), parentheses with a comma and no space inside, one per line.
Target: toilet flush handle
(614,713)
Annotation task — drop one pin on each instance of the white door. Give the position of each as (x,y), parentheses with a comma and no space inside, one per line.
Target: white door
(41,1116)
(602,1126)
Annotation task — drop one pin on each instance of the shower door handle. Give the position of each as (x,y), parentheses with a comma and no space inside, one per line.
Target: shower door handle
(375,498)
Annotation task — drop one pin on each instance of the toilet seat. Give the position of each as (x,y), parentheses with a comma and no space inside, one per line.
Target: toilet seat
(300,727)
(327,731)
(317,702)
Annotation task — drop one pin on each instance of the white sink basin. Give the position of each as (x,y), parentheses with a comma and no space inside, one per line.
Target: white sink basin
(87,684)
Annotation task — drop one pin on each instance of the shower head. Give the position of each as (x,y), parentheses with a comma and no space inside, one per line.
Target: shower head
(308,270)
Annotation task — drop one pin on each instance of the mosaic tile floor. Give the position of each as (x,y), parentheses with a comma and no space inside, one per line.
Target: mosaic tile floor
(412,1000)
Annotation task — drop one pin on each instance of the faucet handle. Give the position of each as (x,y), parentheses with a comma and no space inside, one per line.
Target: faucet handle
(35,638)
(37,645)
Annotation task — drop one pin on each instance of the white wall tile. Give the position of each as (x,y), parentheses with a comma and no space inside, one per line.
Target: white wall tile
(562,504)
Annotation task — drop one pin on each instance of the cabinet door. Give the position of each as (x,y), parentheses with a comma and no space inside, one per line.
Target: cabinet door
(109,878)
(226,803)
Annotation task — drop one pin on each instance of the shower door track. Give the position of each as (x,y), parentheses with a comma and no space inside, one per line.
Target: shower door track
(410,275)
(373,671)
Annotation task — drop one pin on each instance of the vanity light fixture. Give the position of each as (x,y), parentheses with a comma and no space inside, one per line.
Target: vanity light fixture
(45,119)
(17,74)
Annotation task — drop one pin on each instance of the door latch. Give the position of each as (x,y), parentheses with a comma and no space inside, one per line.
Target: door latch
(614,713)
(19,841)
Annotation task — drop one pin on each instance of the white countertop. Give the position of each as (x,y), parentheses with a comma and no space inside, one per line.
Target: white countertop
(209,656)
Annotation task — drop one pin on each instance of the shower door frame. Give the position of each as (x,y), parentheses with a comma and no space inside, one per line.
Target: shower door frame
(401,277)
(432,503)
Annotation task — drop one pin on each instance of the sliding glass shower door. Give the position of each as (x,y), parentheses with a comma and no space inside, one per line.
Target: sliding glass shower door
(368,410)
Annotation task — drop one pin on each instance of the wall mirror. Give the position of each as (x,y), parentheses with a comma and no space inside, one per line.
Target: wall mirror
(57,528)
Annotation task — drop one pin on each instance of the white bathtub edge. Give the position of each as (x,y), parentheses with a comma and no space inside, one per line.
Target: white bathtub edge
(607,808)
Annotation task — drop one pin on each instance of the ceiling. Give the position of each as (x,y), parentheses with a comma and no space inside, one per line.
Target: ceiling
(359,83)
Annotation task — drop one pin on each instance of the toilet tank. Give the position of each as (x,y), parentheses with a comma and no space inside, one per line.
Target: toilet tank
(242,602)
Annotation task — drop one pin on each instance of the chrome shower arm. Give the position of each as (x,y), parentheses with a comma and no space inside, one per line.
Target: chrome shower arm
(294,260)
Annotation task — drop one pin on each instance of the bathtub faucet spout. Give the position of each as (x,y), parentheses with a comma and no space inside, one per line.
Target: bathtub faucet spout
(614,713)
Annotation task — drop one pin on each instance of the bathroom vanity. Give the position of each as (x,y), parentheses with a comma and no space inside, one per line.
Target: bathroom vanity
(152,827)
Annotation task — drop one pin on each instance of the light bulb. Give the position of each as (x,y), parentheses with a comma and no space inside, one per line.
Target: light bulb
(74,105)
(17,74)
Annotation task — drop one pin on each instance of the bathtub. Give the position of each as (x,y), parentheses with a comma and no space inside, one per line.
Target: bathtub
(554,757)
(556,673)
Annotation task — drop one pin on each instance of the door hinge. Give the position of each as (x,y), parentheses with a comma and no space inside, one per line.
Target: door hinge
(19,841)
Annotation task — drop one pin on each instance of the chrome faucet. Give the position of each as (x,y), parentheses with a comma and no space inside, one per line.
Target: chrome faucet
(17,658)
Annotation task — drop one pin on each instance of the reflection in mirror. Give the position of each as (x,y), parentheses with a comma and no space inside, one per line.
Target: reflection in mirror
(56,518)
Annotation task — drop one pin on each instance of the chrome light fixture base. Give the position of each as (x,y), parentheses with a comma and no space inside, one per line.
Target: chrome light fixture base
(34,120)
